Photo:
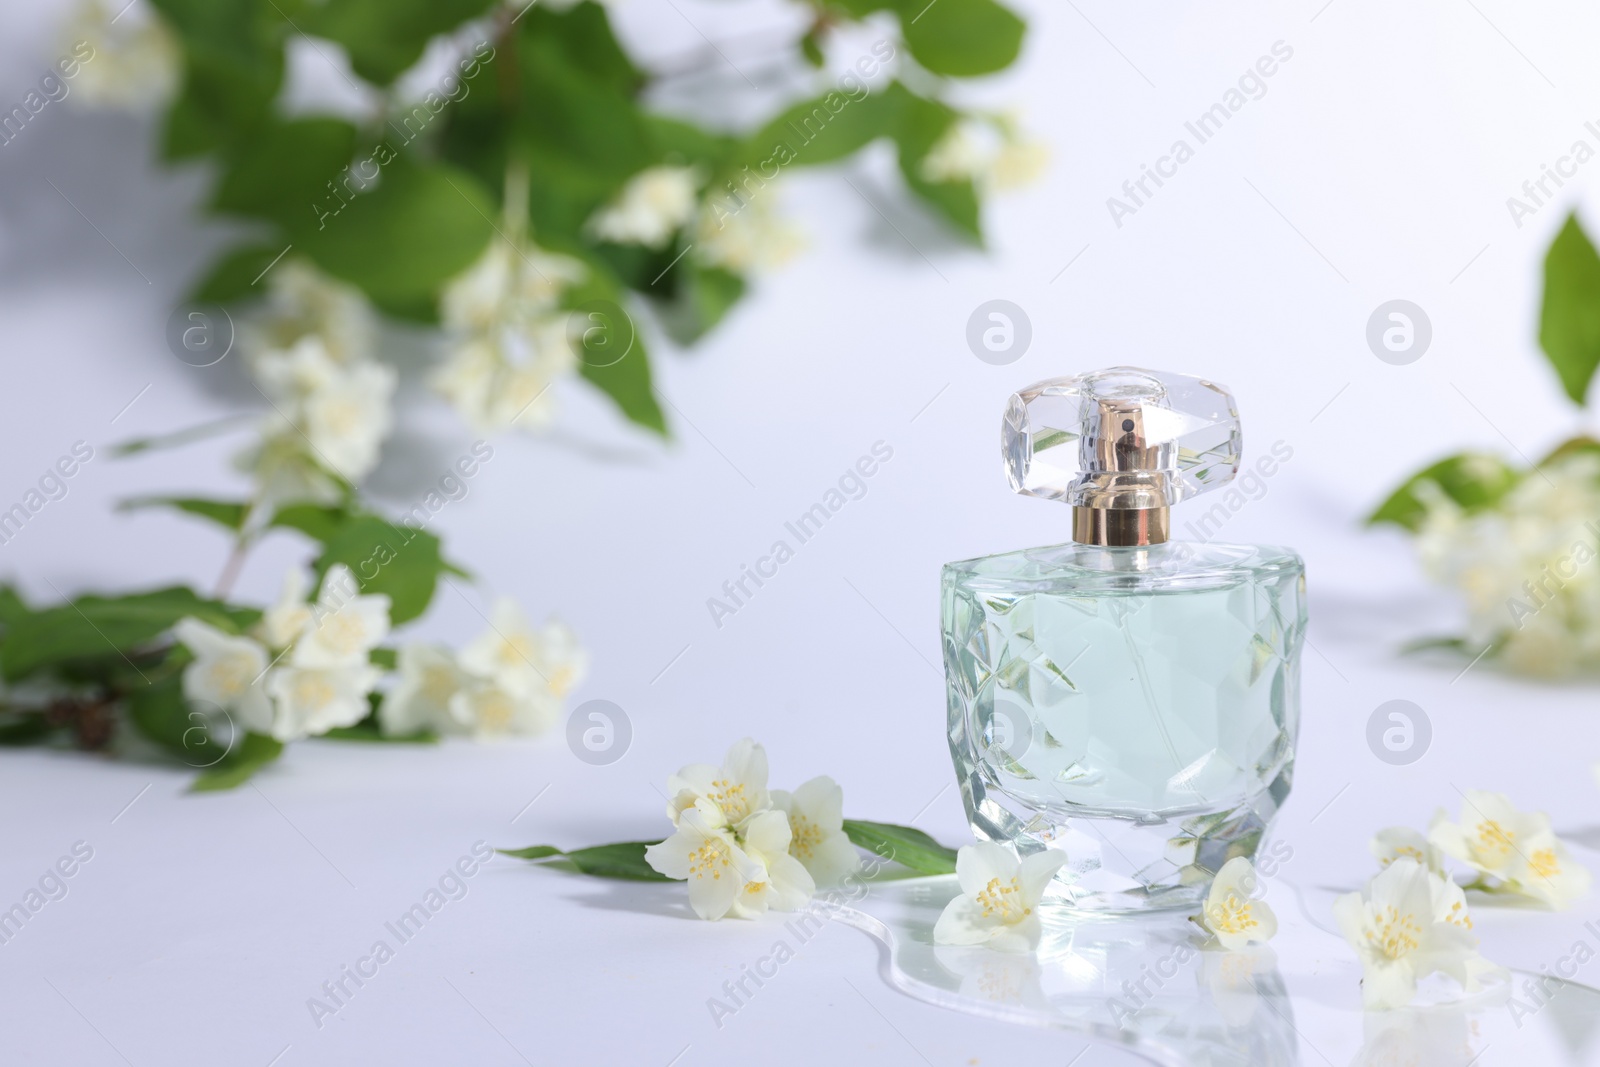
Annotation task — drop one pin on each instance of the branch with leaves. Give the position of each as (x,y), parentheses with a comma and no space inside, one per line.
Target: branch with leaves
(1522,542)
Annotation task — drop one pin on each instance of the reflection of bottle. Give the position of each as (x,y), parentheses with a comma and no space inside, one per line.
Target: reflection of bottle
(1132,700)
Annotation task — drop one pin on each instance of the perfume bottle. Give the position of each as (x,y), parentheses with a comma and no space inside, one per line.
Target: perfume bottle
(1131,700)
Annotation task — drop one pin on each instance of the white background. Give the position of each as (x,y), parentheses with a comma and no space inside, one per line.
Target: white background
(1377,166)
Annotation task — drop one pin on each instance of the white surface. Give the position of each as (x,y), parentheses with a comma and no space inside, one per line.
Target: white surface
(203,924)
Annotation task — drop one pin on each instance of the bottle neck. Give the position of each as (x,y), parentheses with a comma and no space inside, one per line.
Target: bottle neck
(1120,527)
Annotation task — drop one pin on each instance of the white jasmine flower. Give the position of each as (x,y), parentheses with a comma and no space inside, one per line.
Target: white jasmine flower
(521,658)
(491,709)
(719,872)
(420,700)
(282,624)
(284,470)
(1517,850)
(961,154)
(346,625)
(650,208)
(725,796)
(786,885)
(990,152)
(313,700)
(816,823)
(745,233)
(1526,567)
(346,421)
(1409,924)
(508,285)
(136,63)
(503,379)
(1399,842)
(999,900)
(226,672)
(1233,916)
(304,302)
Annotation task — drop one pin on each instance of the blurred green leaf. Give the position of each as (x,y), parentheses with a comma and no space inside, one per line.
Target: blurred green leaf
(98,628)
(961,38)
(1576,446)
(233,276)
(811,48)
(1473,480)
(225,513)
(1569,321)
(385,38)
(397,561)
(582,33)
(920,123)
(421,225)
(627,380)
(19,728)
(283,173)
(820,130)
(622,860)
(161,713)
(232,71)
(904,845)
(703,296)
(251,754)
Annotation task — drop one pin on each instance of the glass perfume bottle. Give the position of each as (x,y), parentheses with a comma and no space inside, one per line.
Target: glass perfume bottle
(1130,700)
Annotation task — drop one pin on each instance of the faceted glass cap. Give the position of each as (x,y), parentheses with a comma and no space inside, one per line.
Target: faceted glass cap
(1121,438)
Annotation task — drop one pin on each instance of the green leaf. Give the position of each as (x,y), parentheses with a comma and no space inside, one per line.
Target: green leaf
(371,732)
(97,628)
(704,295)
(811,48)
(421,225)
(233,64)
(161,713)
(678,141)
(316,521)
(384,658)
(622,860)
(225,513)
(1473,480)
(626,380)
(282,173)
(961,38)
(398,561)
(582,34)
(385,38)
(919,124)
(24,728)
(903,844)
(812,132)
(1569,320)
(233,277)
(180,437)
(251,754)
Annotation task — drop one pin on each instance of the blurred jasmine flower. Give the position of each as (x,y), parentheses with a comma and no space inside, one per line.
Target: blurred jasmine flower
(990,152)
(816,824)
(346,625)
(1231,914)
(653,206)
(302,301)
(511,340)
(490,709)
(226,672)
(1407,925)
(999,900)
(347,421)
(134,63)
(282,624)
(1402,842)
(519,657)
(429,680)
(1513,851)
(743,234)
(1526,567)
(310,701)
(725,796)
